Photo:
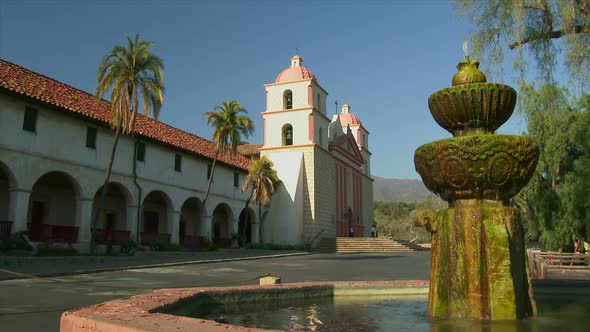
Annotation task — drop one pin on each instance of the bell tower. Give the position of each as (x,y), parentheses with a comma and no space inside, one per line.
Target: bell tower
(295,130)
(295,112)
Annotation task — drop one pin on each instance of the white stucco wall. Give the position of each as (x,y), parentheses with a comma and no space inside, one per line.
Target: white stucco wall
(325,197)
(321,123)
(274,95)
(284,221)
(274,126)
(317,90)
(59,202)
(4,198)
(59,145)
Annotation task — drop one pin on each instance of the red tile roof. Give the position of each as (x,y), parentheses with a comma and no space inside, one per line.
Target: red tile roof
(27,83)
(249,149)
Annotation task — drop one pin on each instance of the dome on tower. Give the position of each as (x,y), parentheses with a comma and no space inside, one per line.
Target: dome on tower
(347,118)
(296,72)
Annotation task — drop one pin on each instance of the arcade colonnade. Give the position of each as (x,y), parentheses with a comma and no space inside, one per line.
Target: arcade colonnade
(53,201)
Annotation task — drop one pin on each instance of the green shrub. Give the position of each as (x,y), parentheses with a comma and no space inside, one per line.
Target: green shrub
(127,247)
(162,244)
(56,249)
(210,245)
(15,241)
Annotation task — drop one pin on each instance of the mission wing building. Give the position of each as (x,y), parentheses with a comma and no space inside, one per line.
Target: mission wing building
(54,146)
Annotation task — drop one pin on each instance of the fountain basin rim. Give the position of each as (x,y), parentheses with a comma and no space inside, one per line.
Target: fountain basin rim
(144,312)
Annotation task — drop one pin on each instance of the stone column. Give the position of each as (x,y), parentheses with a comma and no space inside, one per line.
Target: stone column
(132,222)
(19,209)
(173,225)
(208,227)
(255,232)
(84,218)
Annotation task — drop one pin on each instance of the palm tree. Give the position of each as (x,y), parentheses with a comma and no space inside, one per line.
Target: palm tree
(130,73)
(261,182)
(229,127)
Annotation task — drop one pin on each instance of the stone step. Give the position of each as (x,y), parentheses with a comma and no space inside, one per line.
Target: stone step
(361,245)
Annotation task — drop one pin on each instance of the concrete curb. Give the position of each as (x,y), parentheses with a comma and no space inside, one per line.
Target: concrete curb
(148,266)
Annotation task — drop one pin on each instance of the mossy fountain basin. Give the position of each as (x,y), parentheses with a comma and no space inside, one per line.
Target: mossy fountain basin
(326,306)
(463,108)
(479,166)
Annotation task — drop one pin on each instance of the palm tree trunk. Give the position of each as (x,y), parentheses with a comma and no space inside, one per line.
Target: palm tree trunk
(260,223)
(103,196)
(211,176)
(243,235)
(206,196)
(138,212)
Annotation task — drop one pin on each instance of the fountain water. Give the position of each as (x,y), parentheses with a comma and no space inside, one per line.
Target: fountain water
(478,266)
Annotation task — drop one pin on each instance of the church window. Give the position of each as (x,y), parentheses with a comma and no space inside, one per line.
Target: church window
(236,179)
(91,137)
(321,135)
(178,162)
(287,134)
(287,100)
(30,120)
(140,152)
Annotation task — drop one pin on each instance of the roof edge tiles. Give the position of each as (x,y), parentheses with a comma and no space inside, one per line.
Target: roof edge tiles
(25,82)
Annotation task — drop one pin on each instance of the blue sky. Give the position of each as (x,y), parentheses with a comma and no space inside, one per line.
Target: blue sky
(384,58)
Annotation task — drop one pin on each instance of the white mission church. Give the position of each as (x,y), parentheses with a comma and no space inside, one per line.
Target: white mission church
(54,146)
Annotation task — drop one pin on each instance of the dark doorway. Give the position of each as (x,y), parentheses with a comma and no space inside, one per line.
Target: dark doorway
(150,222)
(37,212)
(245,228)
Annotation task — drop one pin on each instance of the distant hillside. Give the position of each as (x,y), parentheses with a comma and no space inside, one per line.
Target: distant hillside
(399,190)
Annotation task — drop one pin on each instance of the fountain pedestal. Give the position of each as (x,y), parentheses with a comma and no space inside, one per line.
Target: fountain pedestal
(478,267)
(478,263)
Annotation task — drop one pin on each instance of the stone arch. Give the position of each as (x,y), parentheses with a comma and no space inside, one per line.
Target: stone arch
(52,208)
(7,182)
(155,212)
(287,134)
(113,225)
(222,219)
(8,175)
(288,100)
(191,223)
(245,229)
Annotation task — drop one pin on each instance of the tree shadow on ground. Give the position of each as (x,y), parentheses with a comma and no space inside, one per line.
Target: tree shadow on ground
(354,257)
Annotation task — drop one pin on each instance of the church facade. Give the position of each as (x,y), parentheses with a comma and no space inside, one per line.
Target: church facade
(54,146)
(323,162)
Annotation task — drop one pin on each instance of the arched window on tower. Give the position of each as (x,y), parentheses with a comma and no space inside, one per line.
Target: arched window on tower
(287,100)
(321,136)
(287,134)
(317,107)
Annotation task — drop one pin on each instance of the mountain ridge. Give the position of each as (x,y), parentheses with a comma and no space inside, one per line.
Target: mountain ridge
(399,190)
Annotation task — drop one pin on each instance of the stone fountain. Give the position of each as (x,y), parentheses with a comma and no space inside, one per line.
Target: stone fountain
(478,266)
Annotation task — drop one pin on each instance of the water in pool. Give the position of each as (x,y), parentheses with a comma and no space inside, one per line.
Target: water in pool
(368,313)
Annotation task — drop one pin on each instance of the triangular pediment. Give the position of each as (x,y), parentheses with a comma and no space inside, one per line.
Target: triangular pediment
(347,144)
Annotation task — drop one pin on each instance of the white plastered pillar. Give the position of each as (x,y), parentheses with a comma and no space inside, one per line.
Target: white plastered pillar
(84,218)
(255,232)
(208,227)
(19,209)
(132,221)
(173,225)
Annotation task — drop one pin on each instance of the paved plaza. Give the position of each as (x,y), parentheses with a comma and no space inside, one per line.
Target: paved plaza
(36,304)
